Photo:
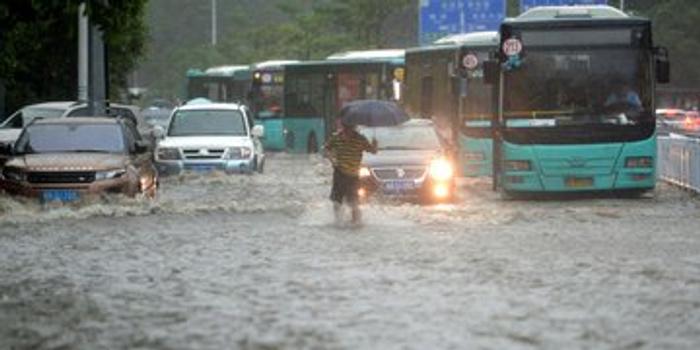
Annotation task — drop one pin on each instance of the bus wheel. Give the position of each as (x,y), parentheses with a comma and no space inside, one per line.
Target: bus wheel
(289,141)
(311,145)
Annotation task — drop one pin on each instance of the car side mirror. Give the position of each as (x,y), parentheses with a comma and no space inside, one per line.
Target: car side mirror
(663,66)
(491,71)
(158,132)
(258,131)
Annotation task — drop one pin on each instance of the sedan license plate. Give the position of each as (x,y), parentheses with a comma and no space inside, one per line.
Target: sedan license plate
(579,182)
(60,195)
(399,186)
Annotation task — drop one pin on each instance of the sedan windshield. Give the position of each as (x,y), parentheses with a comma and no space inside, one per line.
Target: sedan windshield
(403,137)
(207,122)
(53,138)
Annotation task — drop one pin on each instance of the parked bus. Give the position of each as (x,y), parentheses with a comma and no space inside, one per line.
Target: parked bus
(576,101)
(219,84)
(451,91)
(315,91)
(267,100)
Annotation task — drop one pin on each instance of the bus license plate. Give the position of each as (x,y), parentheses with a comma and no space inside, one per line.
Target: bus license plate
(399,186)
(59,195)
(578,182)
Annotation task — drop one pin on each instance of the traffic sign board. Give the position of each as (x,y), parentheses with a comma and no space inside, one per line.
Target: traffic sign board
(439,18)
(528,4)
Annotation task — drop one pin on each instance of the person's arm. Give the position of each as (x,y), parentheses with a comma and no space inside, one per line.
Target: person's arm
(370,146)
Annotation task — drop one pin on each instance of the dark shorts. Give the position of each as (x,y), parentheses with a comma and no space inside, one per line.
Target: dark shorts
(344,187)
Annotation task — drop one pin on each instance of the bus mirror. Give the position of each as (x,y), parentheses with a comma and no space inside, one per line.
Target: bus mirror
(491,71)
(663,67)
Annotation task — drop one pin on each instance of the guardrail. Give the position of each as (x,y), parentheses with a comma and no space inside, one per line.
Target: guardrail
(679,161)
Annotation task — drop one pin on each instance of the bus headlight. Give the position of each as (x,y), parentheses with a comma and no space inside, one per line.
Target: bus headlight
(441,169)
(364,172)
(639,162)
(518,165)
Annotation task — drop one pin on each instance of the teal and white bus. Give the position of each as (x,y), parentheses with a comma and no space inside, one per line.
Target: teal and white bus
(266,100)
(219,84)
(576,101)
(444,82)
(315,91)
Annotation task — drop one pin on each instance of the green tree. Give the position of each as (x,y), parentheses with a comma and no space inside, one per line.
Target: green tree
(38,41)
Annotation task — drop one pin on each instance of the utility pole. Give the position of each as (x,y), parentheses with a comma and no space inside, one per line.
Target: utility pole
(82,54)
(622,5)
(213,22)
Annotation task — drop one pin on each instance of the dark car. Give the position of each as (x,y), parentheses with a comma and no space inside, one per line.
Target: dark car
(411,163)
(66,159)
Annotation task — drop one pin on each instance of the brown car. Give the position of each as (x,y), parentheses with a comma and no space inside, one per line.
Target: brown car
(70,158)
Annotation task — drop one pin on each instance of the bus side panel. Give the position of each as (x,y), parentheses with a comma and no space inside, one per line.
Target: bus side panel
(476,156)
(572,168)
(302,131)
(274,133)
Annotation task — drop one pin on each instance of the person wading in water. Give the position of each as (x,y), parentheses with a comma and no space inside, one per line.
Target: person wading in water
(345,149)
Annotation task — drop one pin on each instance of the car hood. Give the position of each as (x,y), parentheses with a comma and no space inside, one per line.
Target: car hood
(69,162)
(206,142)
(9,135)
(394,158)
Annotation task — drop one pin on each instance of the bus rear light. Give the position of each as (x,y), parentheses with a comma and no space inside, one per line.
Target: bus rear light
(639,162)
(518,165)
(640,177)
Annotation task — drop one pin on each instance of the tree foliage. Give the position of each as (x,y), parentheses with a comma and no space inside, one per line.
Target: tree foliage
(38,41)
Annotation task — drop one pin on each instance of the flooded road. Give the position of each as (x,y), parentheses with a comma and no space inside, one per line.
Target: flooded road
(255,262)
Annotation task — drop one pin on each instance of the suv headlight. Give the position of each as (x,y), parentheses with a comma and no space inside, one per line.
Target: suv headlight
(238,153)
(441,169)
(110,174)
(14,174)
(167,153)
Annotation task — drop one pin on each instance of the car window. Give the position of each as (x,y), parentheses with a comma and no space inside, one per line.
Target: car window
(403,137)
(13,122)
(55,138)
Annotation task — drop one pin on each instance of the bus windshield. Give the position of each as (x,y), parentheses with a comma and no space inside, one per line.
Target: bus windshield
(575,86)
(268,101)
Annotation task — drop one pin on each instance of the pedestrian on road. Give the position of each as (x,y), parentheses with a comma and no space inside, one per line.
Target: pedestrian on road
(345,149)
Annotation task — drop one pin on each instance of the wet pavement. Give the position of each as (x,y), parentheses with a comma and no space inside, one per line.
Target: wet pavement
(256,262)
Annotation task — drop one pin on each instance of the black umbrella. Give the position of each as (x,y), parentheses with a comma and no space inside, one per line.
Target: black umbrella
(372,113)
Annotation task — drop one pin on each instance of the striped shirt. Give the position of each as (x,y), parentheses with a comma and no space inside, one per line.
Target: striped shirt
(347,150)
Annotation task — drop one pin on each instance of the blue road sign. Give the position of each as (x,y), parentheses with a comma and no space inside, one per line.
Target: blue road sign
(528,4)
(443,17)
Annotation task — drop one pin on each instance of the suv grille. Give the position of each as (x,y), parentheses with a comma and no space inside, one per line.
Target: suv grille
(203,153)
(398,173)
(61,177)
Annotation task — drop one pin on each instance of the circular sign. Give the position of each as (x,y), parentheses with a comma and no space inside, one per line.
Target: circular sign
(267,78)
(512,47)
(470,61)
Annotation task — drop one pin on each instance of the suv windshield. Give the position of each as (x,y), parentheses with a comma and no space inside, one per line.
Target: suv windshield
(72,137)
(403,137)
(207,122)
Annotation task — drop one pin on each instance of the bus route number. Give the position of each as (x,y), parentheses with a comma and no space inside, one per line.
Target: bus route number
(512,47)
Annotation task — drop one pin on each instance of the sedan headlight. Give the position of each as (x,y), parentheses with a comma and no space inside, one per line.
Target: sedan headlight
(166,153)
(14,174)
(238,153)
(110,174)
(364,172)
(441,169)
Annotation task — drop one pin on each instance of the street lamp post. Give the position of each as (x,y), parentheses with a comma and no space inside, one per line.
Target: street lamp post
(213,22)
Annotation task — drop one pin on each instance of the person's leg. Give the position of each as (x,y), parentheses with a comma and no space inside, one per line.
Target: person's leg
(353,200)
(337,195)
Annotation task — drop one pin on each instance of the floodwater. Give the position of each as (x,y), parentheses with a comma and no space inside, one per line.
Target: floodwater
(255,262)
